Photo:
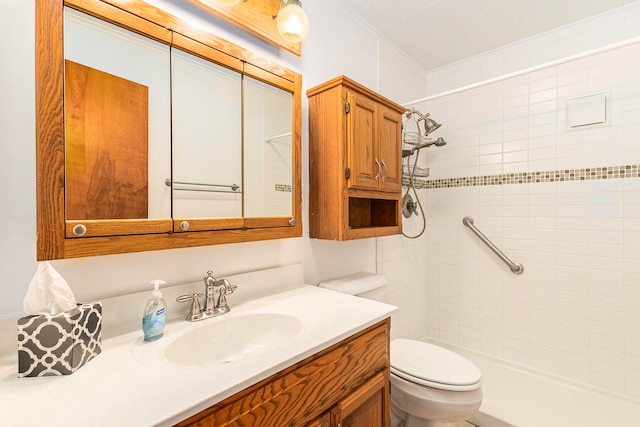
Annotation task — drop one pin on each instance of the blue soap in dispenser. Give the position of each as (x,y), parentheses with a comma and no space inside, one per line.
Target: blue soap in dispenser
(155,314)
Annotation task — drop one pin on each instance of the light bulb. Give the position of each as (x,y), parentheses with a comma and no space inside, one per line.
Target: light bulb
(292,23)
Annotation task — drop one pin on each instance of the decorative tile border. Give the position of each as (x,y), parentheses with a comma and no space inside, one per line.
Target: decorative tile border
(287,188)
(608,172)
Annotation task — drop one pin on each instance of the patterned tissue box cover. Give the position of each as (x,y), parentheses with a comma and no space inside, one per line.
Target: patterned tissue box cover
(59,344)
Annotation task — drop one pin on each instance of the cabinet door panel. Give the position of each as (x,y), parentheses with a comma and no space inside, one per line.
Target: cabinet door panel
(362,150)
(366,407)
(117,125)
(390,149)
(207,138)
(323,421)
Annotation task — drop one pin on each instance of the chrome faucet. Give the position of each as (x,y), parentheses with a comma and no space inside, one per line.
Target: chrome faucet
(215,301)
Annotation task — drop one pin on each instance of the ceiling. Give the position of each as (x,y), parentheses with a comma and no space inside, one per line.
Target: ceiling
(439,32)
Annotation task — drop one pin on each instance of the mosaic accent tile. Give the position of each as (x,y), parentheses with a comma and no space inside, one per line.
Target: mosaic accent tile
(585,174)
(286,188)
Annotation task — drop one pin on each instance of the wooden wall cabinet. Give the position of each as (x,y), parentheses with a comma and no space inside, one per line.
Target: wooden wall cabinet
(346,384)
(355,145)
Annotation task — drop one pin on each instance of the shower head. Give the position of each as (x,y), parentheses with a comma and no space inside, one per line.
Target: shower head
(429,125)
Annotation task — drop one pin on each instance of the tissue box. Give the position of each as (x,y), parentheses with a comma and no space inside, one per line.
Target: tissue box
(59,344)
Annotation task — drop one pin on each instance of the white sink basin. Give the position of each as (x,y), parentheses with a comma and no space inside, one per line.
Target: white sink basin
(222,340)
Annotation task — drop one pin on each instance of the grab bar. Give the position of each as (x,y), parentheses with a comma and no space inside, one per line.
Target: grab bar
(515,267)
(235,188)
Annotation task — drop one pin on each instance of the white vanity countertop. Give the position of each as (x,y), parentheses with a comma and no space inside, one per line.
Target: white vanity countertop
(115,389)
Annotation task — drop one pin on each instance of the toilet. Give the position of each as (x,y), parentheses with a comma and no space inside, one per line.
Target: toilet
(430,386)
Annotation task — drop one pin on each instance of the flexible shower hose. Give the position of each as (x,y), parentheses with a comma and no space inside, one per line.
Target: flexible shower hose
(413,187)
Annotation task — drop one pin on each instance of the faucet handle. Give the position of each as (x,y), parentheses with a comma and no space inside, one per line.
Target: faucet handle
(226,289)
(195,311)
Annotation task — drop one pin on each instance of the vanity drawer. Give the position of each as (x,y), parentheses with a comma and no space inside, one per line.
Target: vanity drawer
(304,391)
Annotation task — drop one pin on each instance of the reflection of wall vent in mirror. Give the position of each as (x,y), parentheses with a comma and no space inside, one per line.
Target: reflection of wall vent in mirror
(106,145)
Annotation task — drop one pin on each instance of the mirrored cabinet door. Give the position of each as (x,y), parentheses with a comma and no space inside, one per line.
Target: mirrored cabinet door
(206,143)
(271,141)
(268,173)
(117,109)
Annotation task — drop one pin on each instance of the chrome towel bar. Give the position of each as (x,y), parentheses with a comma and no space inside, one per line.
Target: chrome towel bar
(234,188)
(515,267)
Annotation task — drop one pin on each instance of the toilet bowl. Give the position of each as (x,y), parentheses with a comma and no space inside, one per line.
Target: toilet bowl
(430,385)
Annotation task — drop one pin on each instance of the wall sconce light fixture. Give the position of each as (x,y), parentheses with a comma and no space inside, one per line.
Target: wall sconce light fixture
(292,21)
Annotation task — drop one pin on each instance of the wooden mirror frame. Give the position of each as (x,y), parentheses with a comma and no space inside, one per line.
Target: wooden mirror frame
(140,234)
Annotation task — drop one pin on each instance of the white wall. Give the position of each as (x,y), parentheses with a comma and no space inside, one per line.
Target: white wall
(337,44)
(575,310)
(17,163)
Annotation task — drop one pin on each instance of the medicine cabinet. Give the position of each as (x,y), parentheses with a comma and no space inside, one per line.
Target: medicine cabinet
(355,174)
(152,133)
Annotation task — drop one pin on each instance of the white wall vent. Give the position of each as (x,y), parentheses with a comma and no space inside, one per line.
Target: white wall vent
(587,111)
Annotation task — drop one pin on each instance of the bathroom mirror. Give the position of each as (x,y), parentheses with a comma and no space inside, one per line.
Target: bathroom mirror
(207,138)
(117,122)
(267,144)
(150,138)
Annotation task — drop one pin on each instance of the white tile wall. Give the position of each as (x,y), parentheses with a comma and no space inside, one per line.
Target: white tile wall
(575,312)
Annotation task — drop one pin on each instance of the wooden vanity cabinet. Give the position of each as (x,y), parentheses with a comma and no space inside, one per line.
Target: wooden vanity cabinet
(355,145)
(344,385)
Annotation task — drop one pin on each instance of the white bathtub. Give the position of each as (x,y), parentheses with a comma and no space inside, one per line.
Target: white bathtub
(520,398)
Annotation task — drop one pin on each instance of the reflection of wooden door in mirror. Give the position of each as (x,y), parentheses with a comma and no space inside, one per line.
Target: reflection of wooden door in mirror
(107,145)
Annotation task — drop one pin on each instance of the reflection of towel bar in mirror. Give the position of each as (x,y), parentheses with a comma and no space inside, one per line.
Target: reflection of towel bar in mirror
(282,135)
(235,188)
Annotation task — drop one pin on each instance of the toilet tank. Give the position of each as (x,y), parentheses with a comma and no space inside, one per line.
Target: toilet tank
(366,285)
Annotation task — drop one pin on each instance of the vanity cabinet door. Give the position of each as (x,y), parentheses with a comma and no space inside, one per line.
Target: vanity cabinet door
(323,421)
(366,407)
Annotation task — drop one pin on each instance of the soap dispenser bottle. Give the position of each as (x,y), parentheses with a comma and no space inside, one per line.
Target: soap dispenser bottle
(155,314)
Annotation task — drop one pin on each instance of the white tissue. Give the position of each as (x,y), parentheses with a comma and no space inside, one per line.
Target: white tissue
(48,292)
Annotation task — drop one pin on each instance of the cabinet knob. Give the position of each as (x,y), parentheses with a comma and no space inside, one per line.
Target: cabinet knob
(292,221)
(184,225)
(79,230)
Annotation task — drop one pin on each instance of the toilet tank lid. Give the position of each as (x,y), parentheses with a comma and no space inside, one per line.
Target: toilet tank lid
(432,363)
(356,283)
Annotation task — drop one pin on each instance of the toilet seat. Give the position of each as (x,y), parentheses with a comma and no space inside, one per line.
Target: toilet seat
(432,366)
